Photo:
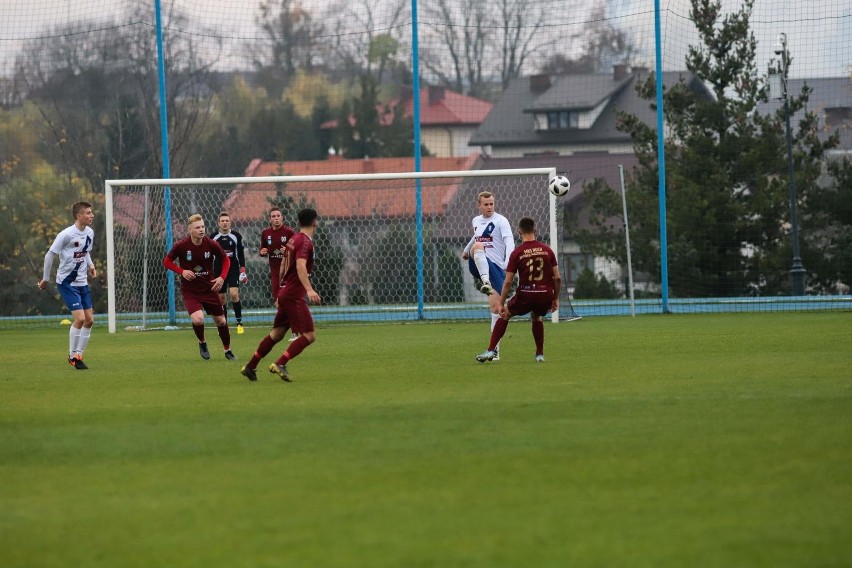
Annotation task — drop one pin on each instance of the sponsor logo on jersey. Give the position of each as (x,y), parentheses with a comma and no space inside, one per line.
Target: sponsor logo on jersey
(189,255)
(207,254)
(269,239)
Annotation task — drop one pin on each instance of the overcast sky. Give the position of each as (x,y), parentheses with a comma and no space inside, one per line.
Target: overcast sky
(819,32)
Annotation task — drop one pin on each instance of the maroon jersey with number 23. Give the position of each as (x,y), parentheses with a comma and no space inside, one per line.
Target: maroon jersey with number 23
(533,262)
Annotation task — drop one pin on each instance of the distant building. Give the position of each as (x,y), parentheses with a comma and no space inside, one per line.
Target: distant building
(570,114)
(831,100)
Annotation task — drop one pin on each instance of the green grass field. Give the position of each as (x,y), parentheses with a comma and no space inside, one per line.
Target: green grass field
(702,440)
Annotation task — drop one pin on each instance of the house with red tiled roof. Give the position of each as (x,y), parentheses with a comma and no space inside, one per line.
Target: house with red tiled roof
(363,213)
(351,199)
(447,119)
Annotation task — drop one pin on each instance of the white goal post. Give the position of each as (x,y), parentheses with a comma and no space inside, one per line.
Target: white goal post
(388,246)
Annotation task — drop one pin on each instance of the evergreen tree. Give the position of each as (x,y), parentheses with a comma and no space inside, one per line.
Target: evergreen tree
(727,188)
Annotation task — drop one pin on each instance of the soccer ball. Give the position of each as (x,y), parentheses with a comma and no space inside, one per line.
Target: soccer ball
(559,186)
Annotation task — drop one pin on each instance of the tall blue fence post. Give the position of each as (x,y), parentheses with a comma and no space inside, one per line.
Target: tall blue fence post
(661,163)
(418,183)
(164,141)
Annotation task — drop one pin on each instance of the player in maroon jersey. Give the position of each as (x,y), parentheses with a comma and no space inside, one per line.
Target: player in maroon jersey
(293,312)
(193,258)
(537,292)
(272,242)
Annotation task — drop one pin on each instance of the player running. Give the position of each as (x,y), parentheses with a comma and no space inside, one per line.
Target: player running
(73,246)
(293,312)
(232,243)
(487,253)
(538,289)
(193,258)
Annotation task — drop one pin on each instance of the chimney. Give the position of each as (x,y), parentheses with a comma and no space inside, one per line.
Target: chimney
(539,83)
(619,71)
(436,94)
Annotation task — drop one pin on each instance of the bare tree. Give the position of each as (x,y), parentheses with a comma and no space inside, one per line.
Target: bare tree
(520,23)
(95,87)
(462,31)
(367,36)
(294,40)
(601,45)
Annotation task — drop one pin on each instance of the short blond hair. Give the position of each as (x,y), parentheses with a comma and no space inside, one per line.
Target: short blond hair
(482,194)
(193,218)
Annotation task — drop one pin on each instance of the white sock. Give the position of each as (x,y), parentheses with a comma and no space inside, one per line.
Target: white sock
(73,340)
(481,263)
(494,318)
(85,334)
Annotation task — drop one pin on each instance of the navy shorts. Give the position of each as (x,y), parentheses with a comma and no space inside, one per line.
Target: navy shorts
(495,274)
(76,297)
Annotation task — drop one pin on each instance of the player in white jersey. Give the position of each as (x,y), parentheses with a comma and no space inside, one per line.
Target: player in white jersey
(73,246)
(488,252)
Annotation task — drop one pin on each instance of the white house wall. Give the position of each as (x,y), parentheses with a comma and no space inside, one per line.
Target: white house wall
(448,141)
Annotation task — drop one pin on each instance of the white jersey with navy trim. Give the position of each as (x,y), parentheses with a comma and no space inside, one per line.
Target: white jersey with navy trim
(495,234)
(73,246)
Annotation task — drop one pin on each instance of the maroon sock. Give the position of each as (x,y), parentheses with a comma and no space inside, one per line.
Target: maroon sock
(295,348)
(224,335)
(199,331)
(538,336)
(266,345)
(497,333)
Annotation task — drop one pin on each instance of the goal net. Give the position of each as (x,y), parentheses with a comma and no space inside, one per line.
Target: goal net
(388,246)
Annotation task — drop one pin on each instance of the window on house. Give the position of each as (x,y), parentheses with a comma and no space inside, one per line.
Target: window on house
(562,120)
(574,264)
(552,120)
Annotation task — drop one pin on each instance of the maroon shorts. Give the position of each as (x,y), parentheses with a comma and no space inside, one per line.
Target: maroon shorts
(525,302)
(294,313)
(209,302)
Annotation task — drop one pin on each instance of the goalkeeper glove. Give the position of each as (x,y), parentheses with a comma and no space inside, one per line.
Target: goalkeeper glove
(243,276)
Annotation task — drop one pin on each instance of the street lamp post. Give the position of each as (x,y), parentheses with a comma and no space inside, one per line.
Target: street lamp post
(778,83)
